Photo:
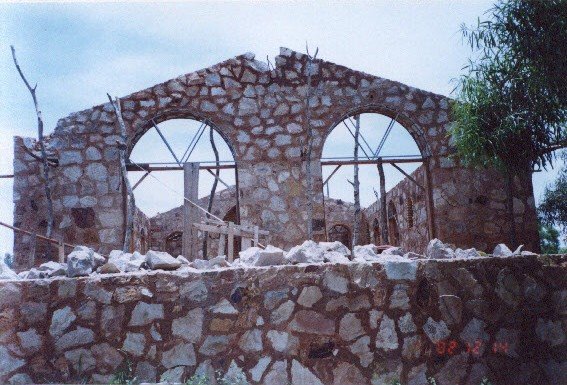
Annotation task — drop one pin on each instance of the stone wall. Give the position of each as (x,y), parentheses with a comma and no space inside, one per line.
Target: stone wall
(262,114)
(357,323)
(410,213)
(163,225)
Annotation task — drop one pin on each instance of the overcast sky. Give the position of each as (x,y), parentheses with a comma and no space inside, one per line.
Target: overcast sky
(79,52)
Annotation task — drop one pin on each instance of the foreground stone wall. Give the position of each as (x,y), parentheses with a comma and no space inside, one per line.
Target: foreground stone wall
(359,323)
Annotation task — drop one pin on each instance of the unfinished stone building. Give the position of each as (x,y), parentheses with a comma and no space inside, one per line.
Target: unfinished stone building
(264,114)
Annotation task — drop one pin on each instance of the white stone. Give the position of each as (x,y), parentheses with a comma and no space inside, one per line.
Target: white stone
(436,330)
(308,252)
(182,354)
(282,313)
(134,344)
(223,307)
(6,272)
(251,341)
(335,282)
(258,370)
(467,253)
(80,262)
(30,341)
(300,375)
(161,260)
(365,253)
(438,250)
(387,338)
(8,363)
(350,327)
(501,250)
(61,320)
(309,296)
(145,313)
(189,327)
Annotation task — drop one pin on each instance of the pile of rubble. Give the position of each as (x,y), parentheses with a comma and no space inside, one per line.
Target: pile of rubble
(83,261)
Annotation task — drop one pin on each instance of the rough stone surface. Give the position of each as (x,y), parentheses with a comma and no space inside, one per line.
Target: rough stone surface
(171,324)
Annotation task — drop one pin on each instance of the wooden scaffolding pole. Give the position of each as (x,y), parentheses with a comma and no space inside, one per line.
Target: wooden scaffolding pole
(190,213)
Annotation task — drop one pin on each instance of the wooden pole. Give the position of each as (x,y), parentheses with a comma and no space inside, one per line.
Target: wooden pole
(383,210)
(356,186)
(190,215)
(230,241)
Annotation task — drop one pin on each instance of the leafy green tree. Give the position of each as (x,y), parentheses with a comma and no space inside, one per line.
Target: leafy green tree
(511,109)
(549,239)
(553,208)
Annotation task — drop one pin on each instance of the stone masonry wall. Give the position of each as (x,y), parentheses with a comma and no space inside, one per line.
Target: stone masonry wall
(416,236)
(342,324)
(262,115)
(165,224)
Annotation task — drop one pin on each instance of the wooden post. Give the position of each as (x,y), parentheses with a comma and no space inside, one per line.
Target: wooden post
(190,214)
(221,244)
(230,235)
(383,210)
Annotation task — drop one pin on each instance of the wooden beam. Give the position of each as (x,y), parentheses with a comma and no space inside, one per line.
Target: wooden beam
(141,180)
(332,173)
(371,161)
(217,177)
(238,230)
(230,231)
(148,167)
(190,213)
(407,175)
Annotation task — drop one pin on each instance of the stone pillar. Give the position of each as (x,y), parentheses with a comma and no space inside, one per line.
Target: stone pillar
(190,212)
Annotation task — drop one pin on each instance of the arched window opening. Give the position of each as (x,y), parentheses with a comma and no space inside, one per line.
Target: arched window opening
(156,170)
(174,243)
(393,224)
(340,233)
(390,169)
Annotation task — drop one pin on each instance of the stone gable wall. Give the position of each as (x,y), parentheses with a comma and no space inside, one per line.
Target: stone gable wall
(342,324)
(262,115)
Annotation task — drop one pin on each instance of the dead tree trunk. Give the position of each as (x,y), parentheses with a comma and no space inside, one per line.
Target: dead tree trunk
(130,200)
(308,171)
(510,207)
(213,189)
(356,185)
(45,164)
(383,210)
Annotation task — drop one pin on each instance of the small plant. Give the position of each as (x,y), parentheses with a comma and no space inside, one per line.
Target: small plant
(197,380)
(124,374)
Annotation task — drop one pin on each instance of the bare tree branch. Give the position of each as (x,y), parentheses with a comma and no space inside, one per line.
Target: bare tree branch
(213,189)
(41,146)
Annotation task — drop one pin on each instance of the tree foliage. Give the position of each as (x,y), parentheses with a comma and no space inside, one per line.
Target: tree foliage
(549,239)
(553,208)
(511,105)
